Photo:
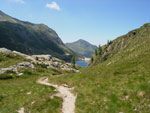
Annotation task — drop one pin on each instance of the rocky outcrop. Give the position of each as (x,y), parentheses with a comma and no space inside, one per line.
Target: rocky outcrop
(26,65)
(16,67)
(47,60)
(52,62)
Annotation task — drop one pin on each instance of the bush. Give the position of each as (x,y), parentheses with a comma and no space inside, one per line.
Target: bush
(43,66)
(28,72)
(5,76)
(1,97)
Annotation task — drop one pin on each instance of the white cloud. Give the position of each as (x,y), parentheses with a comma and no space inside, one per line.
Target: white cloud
(18,1)
(53,5)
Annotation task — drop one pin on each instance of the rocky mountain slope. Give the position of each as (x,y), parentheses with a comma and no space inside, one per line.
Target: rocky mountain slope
(31,38)
(82,47)
(128,42)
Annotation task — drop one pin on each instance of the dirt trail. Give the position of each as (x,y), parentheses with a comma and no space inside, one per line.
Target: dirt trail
(64,92)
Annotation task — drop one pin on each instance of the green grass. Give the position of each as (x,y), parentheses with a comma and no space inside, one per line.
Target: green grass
(15,93)
(119,84)
(10,59)
(14,96)
(120,87)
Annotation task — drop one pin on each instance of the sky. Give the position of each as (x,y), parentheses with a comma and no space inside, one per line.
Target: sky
(96,21)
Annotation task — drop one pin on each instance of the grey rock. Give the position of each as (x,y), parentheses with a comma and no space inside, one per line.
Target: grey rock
(3,70)
(26,64)
(48,57)
(20,74)
(4,50)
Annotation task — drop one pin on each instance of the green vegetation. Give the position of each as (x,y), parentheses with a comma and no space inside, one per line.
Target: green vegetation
(10,59)
(73,61)
(121,82)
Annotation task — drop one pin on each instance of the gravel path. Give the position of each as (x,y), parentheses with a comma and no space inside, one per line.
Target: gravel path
(64,92)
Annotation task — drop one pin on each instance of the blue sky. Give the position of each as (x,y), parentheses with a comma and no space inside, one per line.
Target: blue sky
(93,20)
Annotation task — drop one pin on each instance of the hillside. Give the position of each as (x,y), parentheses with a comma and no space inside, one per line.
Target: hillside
(119,80)
(21,91)
(127,42)
(82,47)
(31,38)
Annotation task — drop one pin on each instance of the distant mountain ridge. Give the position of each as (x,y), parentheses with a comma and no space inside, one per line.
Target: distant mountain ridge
(82,47)
(31,38)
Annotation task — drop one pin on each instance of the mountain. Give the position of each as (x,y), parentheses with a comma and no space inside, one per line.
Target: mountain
(118,81)
(82,47)
(31,38)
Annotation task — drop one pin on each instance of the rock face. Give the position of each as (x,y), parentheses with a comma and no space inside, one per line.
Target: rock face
(31,38)
(83,48)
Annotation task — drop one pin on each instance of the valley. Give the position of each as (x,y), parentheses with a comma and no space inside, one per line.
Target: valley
(39,73)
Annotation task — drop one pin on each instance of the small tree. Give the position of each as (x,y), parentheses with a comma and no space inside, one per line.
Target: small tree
(100,50)
(95,52)
(73,61)
(109,42)
(92,59)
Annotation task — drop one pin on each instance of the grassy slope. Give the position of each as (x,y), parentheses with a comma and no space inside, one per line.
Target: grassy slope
(119,84)
(14,92)
(10,59)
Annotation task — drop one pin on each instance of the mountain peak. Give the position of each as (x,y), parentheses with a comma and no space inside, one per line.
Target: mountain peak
(82,47)
(81,40)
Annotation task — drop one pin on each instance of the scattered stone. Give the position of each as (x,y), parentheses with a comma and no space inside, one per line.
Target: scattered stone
(48,57)
(32,102)
(20,74)
(127,97)
(28,93)
(140,93)
(26,64)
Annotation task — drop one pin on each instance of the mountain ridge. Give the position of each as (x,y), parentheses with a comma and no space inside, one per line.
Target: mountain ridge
(31,38)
